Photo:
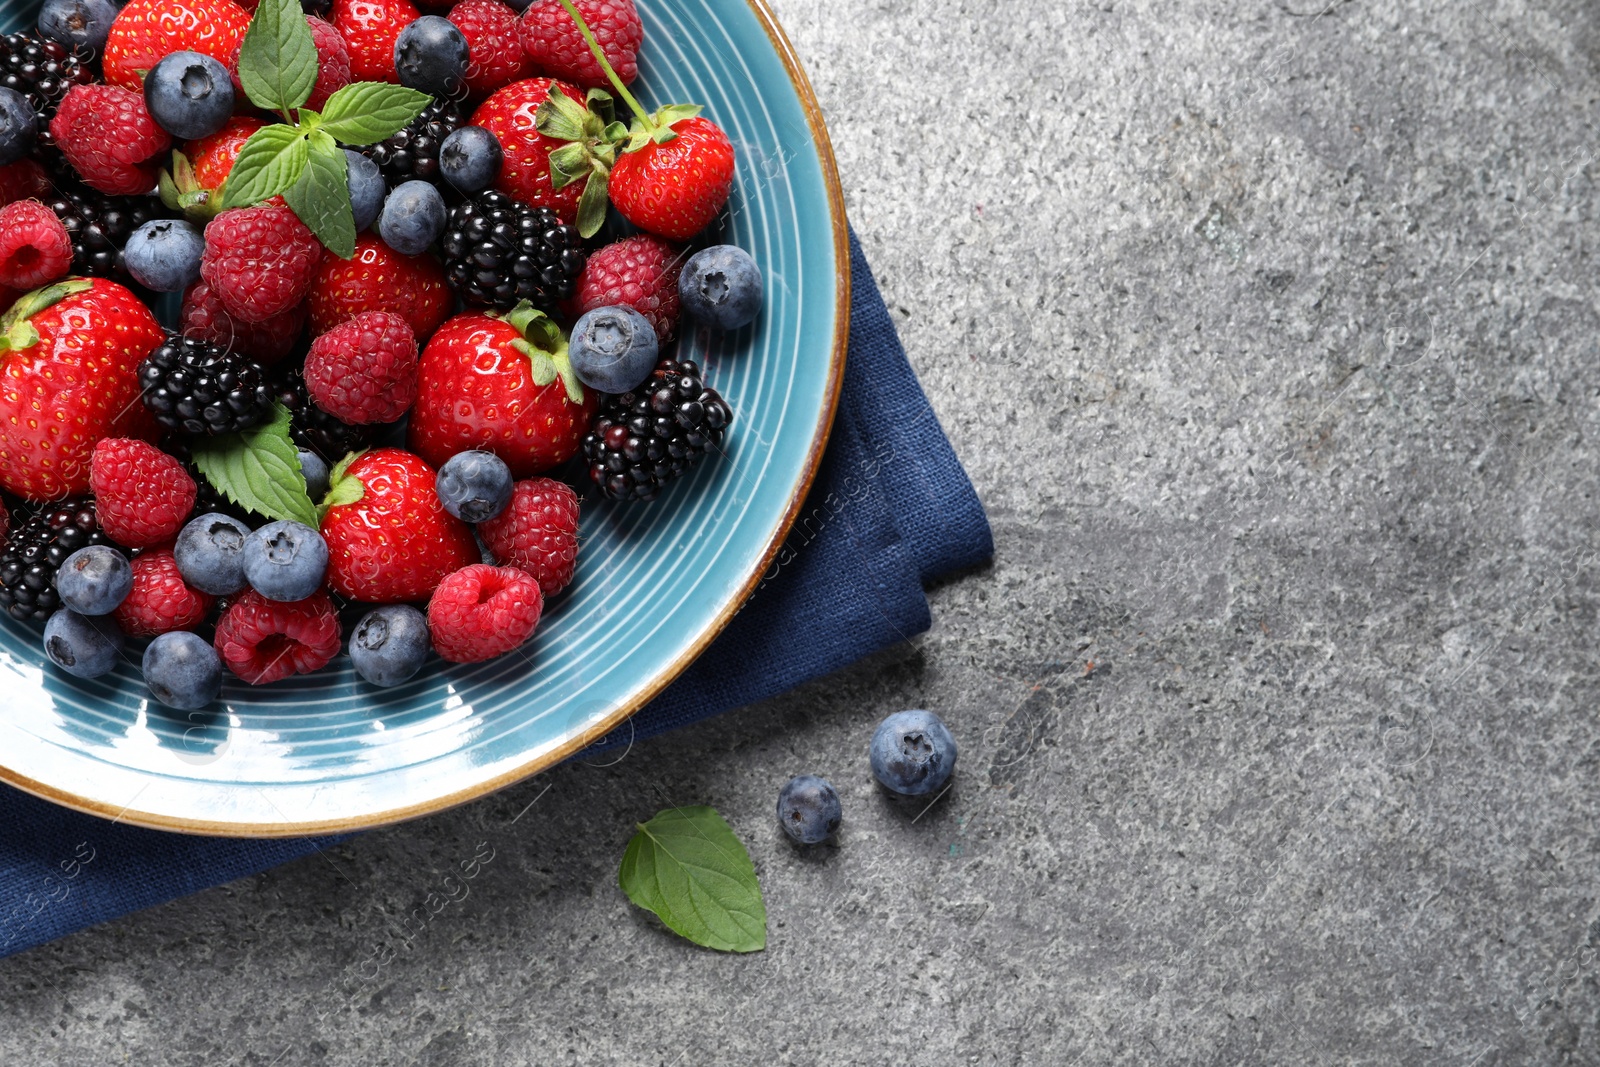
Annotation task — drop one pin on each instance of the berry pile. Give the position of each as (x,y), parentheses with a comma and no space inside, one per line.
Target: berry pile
(399,330)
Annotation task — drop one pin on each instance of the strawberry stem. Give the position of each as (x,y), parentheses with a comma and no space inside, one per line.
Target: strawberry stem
(605,65)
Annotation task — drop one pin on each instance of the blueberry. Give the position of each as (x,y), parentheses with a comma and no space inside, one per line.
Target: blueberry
(474,486)
(19,126)
(389,644)
(431,55)
(413,217)
(182,670)
(721,286)
(189,94)
(285,560)
(80,645)
(366,188)
(613,349)
(164,255)
(94,580)
(80,25)
(808,809)
(315,468)
(210,554)
(470,159)
(912,753)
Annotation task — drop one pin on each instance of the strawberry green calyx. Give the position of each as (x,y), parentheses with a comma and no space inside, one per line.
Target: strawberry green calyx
(181,191)
(16,332)
(545,345)
(593,134)
(646,127)
(343,487)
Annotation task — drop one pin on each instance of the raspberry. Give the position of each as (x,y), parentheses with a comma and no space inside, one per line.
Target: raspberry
(639,272)
(21,180)
(365,370)
(109,138)
(259,261)
(35,248)
(264,641)
(556,46)
(160,601)
(480,612)
(377,278)
(494,44)
(142,495)
(537,533)
(205,319)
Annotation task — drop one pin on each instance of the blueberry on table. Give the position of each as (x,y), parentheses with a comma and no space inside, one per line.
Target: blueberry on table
(470,159)
(912,753)
(19,126)
(285,560)
(721,286)
(389,644)
(182,670)
(81,645)
(367,188)
(164,255)
(81,25)
(210,554)
(94,580)
(474,486)
(189,94)
(613,349)
(413,217)
(809,809)
(431,55)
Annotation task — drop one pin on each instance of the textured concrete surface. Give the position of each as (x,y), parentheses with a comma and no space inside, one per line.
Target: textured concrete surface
(1269,334)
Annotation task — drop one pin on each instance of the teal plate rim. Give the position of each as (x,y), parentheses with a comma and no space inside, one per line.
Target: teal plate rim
(585,731)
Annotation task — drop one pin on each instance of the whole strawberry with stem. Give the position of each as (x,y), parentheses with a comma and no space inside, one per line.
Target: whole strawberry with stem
(502,383)
(513,114)
(69,359)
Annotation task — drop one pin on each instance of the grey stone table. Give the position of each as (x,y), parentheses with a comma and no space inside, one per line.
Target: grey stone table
(1270,336)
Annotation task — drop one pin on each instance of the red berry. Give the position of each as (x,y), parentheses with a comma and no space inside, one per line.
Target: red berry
(494,45)
(370,29)
(556,45)
(205,319)
(35,248)
(537,533)
(212,157)
(161,601)
(395,542)
(333,62)
(109,138)
(364,371)
(640,272)
(259,261)
(142,495)
(21,180)
(481,612)
(145,31)
(509,114)
(675,189)
(263,641)
(377,278)
(69,364)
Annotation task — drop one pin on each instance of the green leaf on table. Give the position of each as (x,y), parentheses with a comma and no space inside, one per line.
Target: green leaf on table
(687,867)
(322,195)
(269,163)
(278,60)
(368,112)
(259,469)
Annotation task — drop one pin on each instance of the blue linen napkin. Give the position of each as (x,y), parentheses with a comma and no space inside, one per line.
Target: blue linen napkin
(891,510)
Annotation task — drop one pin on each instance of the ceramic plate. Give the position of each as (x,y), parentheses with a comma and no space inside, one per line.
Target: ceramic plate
(655,583)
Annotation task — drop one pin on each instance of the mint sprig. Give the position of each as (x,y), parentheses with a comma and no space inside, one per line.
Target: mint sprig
(687,867)
(259,469)
(299,159)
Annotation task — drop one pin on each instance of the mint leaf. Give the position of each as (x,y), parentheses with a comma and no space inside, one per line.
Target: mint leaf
(278,60)
(268,164)
(259,469)
(322,196)
(687,867)
(368,112)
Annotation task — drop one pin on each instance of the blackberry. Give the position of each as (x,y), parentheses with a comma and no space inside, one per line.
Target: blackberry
(314,429)
(499,251)
(99,226)
(642,440)
(36,551)
(414,151)
(42,71)
(202,389)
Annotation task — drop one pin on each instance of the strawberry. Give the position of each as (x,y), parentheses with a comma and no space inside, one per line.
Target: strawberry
(377,278)
(511,115)
(501,383)
(212,158)
(370,29)
(69,356)
(146,31)
(389,539)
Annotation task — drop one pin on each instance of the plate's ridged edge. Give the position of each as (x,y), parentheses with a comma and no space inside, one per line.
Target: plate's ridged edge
(586,737)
